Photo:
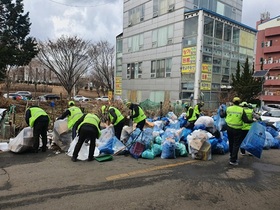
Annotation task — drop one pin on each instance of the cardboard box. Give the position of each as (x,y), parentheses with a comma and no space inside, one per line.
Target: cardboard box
(205,152)
(196,143)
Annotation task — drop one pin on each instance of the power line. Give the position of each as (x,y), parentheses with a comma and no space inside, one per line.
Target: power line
(71,5)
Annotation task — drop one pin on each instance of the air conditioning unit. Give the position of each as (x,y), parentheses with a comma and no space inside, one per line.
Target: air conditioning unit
(170,41)
(171,7)
(155,14)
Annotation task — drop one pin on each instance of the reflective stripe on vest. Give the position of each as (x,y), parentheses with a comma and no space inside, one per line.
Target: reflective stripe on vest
(35,113)
(93,120)
(234,117)
(75,115)
(118,113)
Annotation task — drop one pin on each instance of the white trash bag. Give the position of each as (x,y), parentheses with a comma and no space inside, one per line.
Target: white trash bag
(83,153)
(23,141)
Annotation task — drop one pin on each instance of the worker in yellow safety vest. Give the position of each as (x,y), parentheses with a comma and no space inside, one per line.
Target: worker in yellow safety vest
(88,129)
(246,126)
(190,116)
(115,117)
(39,120)
(235,117)
(138,116)
(73,114)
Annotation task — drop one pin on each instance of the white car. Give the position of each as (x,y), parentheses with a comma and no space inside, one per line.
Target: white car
(102,98)
(271,116)
(81,98)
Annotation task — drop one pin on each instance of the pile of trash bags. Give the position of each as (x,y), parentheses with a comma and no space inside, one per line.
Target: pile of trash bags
(163,137)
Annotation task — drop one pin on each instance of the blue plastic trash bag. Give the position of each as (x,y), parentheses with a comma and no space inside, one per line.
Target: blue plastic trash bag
(168,150)
(254,140)
(272,130)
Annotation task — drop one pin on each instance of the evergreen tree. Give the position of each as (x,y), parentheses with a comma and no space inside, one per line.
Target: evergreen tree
(246,87)
(16,48)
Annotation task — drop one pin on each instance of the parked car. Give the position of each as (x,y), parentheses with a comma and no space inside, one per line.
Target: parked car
(26,94)
(13,96)
(102,98)
(81,98)
(271,116)
(47,97)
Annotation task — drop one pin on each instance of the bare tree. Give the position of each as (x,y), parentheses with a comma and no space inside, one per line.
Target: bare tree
(102,55)
(67,58)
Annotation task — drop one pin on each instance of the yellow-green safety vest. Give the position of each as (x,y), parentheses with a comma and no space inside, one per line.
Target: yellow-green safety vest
(75,115)
(35,113)
(234,117)
(140,117)
(93,120)
(249,113)
(118,113)
(193,117)
(196,110)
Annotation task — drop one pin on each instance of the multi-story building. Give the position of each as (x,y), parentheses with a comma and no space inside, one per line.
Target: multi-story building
(180,49)
(268,56)
(35,71)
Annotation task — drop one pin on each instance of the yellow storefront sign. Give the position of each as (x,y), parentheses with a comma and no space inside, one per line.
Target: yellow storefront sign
(188,68)
(207,68)
(206,77)
(205,86)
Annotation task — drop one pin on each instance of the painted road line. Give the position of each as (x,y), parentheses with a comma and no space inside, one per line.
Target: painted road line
(143,171)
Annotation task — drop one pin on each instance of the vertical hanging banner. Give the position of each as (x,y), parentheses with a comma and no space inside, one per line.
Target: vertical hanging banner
(188,60)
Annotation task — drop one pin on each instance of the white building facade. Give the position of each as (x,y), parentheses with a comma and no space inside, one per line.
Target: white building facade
(180,49)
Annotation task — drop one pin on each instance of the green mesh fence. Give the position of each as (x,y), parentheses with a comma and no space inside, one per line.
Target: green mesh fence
(151,109)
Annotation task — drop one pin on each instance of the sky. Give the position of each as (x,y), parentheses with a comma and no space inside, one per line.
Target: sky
(98,20)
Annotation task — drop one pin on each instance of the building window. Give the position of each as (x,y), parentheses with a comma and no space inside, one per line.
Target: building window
(162,7)
(134,70)
(162,36)
(188,86)
(135,43)
(208,26)
(190,26)
(227,33)
(161,68)
(136,15)
(218,29)
(235,35)
(119,46)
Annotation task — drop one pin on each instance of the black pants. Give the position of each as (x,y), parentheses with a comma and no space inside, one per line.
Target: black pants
(235,139)
(244,134)
(141,124)
(74,130)
(118,129)
(40,128)
(86,131)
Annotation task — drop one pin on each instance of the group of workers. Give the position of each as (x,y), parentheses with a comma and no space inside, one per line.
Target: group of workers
(238,118)
(87,126)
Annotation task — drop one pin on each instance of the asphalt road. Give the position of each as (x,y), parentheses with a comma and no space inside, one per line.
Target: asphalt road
(50,181)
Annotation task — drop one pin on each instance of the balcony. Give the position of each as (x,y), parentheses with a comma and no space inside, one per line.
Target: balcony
(271,49)
(274,98)
(272,82)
